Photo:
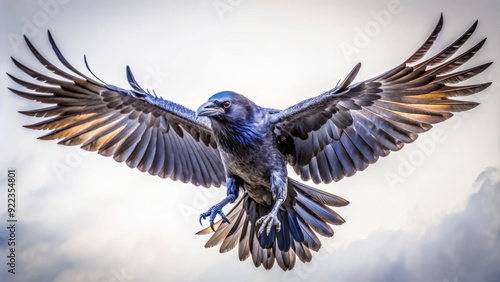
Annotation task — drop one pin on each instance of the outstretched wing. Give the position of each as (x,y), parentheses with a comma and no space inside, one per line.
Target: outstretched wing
(345,129)
(135,127)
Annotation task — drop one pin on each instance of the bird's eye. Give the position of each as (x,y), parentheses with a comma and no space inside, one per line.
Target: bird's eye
(226,104)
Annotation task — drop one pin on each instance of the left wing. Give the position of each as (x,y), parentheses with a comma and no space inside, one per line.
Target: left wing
(345,129)
(142,130)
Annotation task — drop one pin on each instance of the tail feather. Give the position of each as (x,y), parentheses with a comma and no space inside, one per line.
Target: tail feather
(262,256)
(321,212)
(244,246)
(319,195)
(286,260)
(293,223)
(233,235)
(307,215)
(311,241)
(311,220)
(303,253)
(284,236)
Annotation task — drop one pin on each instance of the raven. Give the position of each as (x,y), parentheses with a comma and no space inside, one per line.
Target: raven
(232,141)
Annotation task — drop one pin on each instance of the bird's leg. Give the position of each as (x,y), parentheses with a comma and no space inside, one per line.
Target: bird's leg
(279,191)
(232,194)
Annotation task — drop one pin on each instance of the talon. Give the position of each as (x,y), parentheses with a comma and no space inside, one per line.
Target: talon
(212,218)
(268,221)
(212,213)
(224,218)
(201,216)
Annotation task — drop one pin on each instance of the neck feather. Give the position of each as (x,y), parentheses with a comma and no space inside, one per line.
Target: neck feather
(237,138)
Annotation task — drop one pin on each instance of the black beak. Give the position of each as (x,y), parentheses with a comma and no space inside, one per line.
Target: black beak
(208,109)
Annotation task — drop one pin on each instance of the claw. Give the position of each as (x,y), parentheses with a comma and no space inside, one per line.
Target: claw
(213,212)
(268,221)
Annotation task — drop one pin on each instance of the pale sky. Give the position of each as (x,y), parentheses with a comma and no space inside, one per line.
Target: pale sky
(429,212)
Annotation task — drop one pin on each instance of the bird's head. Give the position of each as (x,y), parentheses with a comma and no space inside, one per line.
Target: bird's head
(228,107)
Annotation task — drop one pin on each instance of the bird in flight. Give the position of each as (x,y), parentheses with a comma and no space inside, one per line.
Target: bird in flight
(231,141)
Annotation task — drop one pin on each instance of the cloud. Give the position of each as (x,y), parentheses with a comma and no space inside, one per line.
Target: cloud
(462,246)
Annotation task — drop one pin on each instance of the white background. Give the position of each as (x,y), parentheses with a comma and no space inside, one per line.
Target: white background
(428,212)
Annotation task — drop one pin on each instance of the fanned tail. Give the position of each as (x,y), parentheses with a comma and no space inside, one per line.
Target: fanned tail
(308,215)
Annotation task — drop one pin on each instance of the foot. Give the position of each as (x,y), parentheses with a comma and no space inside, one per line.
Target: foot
(268,221)
(213,212)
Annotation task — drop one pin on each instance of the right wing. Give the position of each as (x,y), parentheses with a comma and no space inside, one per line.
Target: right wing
(138,128)
(342,131)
